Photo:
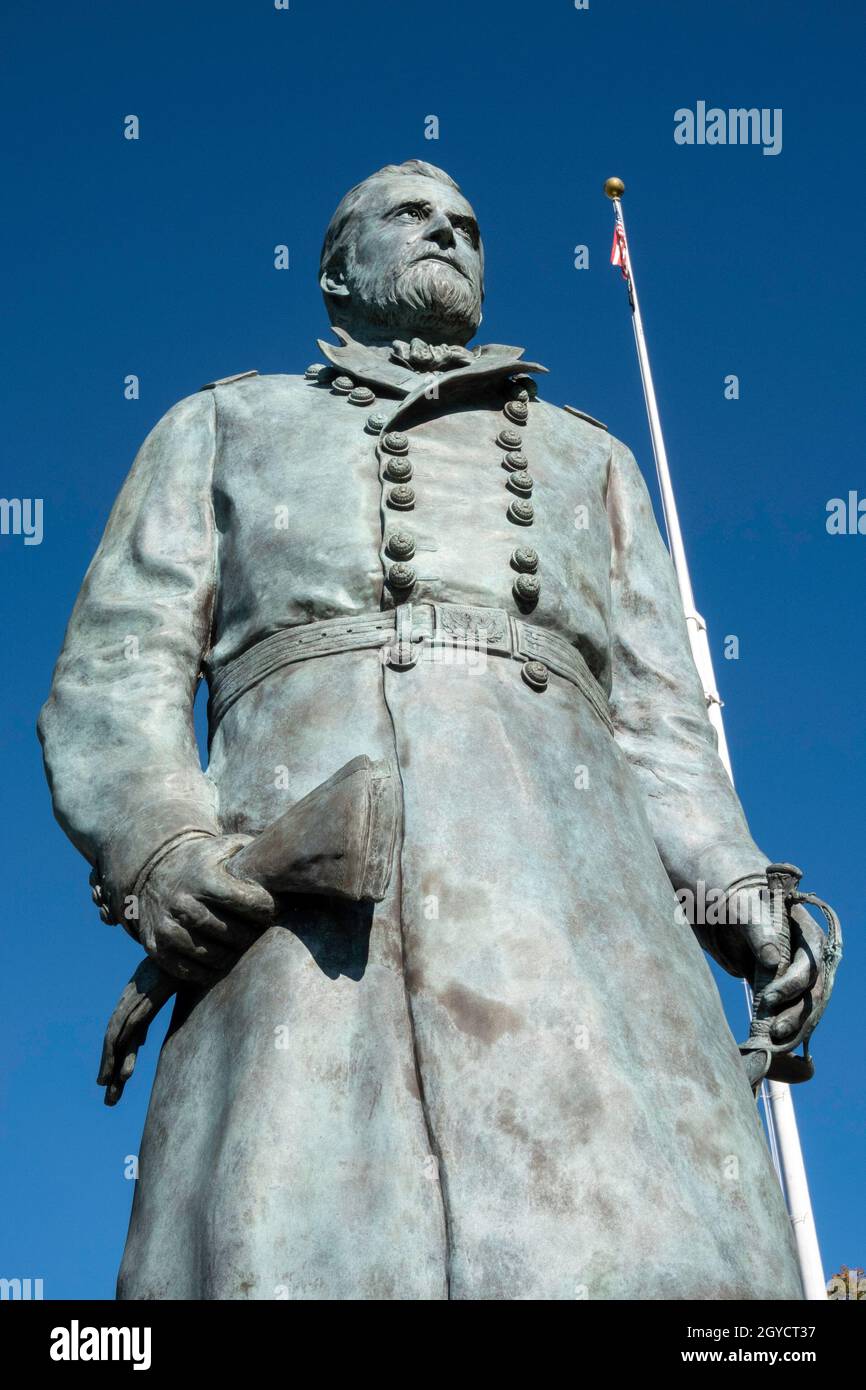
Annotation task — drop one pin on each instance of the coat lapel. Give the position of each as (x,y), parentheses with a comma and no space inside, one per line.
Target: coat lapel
(373,368)
(368,366)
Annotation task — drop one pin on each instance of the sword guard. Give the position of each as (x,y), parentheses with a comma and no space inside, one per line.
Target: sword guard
(763,1057)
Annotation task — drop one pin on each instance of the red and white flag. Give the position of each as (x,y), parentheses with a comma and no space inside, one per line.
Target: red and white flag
(619,251)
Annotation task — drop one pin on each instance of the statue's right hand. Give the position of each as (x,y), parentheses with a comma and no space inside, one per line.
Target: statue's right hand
(195,918)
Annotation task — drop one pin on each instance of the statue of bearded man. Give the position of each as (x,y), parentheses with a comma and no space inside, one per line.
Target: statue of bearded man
(507,1073)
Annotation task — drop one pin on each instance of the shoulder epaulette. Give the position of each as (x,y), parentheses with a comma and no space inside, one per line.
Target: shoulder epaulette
(582,415)
(226,380)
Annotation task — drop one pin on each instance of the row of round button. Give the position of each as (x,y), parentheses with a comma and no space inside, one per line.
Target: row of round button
(400,545)
(521,512)
(396,445)
(340,385)
(524,559)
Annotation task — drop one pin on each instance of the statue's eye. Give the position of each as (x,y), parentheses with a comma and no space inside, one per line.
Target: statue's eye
(413,213)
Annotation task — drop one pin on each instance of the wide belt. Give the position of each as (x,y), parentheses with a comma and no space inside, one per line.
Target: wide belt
(411,632)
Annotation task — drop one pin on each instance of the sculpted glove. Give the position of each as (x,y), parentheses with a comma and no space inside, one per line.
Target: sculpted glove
(338,842)
(764,1054)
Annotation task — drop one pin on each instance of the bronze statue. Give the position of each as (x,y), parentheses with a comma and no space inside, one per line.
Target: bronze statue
(472,1050)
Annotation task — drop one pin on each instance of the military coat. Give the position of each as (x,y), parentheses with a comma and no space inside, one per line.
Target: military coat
(513,1078)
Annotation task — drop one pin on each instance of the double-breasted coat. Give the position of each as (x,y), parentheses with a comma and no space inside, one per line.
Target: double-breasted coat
(512,1079)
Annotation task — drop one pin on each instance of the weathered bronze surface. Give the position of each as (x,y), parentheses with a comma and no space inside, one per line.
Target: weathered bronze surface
(511,1078)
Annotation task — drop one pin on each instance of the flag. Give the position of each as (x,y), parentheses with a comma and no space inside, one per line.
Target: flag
(619,251)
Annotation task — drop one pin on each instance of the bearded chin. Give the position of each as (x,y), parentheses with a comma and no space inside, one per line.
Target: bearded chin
(426,300)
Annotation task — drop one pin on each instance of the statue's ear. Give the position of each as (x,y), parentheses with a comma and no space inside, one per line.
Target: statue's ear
(332,282)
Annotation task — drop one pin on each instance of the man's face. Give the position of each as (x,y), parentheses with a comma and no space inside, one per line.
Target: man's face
(414,264)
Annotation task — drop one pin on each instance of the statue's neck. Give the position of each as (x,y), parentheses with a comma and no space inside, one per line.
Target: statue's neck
(383,338)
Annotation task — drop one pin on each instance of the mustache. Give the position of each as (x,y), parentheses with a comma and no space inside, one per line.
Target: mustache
(442,258)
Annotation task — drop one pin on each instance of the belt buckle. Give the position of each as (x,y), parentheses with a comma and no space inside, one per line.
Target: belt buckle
(464,625)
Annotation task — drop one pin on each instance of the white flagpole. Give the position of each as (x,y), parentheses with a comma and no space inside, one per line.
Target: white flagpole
(781,1121)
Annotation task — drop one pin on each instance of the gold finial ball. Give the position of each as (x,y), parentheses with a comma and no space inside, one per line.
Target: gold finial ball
(614,188)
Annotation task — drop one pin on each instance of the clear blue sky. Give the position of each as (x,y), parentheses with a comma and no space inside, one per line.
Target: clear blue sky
(156,258)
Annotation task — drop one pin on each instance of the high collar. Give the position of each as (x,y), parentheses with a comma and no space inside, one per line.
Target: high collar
(380,368)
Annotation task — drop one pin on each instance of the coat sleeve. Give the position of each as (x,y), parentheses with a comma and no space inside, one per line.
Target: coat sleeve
(117,729)
(658,705)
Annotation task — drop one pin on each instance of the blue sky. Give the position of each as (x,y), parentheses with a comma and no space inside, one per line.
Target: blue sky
(155,257)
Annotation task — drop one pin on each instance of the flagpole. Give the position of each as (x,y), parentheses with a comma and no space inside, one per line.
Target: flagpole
(781,1121)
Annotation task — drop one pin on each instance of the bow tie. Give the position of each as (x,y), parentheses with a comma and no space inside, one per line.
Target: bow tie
(425,357)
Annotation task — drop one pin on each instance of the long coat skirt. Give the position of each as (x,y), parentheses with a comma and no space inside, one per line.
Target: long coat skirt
(511,1079)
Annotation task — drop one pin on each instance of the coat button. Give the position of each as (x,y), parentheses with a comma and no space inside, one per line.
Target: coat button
(509,439)
(402,497)
(525,387)
(536,674)
(362,395)
(515,462)
(343,385)
(521,482)
(521,512)
(394,442)
(527,588)
(375,423)
(401,576)
(315,371)
(525,558)
(399,470)
(401,545)
(98,897)
(516,411)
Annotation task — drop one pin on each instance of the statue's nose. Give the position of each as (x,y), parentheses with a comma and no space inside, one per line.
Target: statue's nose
(439,229)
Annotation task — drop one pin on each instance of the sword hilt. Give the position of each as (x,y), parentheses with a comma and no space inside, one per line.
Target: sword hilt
(782,880)
(761,1055)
